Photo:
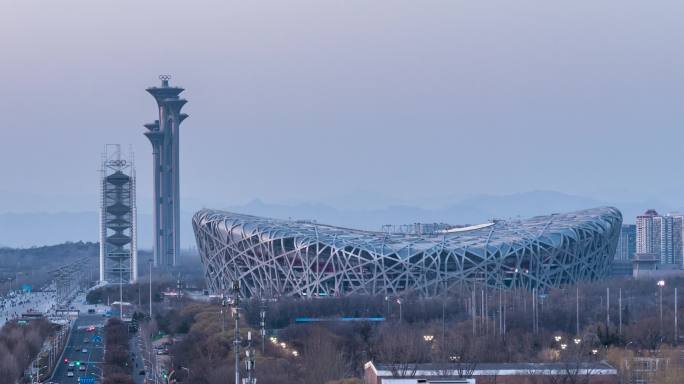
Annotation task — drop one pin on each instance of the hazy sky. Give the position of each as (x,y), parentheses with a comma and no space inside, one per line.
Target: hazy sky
(309,100)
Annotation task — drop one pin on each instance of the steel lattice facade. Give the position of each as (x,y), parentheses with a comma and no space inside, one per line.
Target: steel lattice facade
(118,217)
(288,258)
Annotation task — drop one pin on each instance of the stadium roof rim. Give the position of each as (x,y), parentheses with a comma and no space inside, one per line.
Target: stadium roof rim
(507,229)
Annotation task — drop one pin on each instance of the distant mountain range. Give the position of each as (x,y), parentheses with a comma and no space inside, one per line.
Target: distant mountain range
(37,228)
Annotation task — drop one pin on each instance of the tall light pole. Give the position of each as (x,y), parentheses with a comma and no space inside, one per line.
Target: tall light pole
(150,263)
(387,301)
(661,284)
(473,311)
(607,307)
(249,363)
(620,313)
(399,302)
(577,327)
(443,319)
(121,292)
(676,328)
(236,315)
(262,314)
(223,313)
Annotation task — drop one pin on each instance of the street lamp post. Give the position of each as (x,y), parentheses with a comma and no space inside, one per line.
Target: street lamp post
(400,314)
(249,363)
(121,291)
(661,284)
(387,302)
(262,314)
(676,326)
(577,330)
(223,313)
(236,314)
(150,262)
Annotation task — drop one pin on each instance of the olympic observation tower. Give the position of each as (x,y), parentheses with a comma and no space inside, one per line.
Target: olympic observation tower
(164,136)
(118,217)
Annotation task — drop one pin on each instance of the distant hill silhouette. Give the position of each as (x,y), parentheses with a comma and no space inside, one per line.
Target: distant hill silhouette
(35,228)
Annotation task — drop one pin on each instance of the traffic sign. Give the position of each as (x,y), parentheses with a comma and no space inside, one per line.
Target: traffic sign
(86,380)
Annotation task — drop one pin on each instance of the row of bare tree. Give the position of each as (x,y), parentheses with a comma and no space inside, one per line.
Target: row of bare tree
(19,345)
(468,326)
(116,369)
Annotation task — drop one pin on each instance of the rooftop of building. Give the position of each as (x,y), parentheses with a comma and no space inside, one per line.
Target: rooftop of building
(427,369)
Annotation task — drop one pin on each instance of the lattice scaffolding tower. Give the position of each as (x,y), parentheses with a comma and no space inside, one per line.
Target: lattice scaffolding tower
(118,217)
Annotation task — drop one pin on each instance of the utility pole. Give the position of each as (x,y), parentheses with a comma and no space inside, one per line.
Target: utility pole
(236,316)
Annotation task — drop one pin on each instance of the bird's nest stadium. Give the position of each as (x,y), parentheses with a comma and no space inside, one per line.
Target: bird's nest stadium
(277,258)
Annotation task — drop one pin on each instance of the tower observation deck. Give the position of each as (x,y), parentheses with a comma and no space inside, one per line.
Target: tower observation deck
(164,136)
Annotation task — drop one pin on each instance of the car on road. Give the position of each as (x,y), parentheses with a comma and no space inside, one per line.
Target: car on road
(72,364)
(70,374)
(82,367)
(84,350)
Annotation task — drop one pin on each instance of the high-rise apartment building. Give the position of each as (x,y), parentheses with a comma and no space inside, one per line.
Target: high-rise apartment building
(645,236)
(626,247)
(661,236)
(671,240)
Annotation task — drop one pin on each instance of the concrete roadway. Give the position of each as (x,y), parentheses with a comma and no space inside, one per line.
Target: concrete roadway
(92,359)
(137,358)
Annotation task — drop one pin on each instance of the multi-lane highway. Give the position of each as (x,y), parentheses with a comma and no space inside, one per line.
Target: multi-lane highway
(82,339)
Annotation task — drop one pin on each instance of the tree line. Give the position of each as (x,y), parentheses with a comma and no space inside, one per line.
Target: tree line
(20,344)
(117,368)
(469,325)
